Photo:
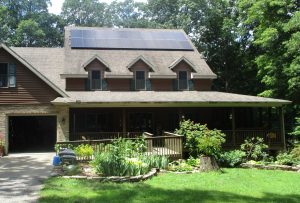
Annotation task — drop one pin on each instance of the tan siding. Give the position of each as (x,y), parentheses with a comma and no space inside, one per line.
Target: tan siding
(75,84)
(29,88)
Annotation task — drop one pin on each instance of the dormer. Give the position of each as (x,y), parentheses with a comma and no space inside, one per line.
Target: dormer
(141,67)
(183,69)
(96,68)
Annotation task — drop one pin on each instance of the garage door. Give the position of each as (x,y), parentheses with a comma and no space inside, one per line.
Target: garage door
(32,133)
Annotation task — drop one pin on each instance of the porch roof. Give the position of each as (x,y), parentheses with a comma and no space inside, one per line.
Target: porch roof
(167,99)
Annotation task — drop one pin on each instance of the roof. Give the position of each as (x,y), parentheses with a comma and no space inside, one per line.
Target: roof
(33,68)
(118,60)
(174,98)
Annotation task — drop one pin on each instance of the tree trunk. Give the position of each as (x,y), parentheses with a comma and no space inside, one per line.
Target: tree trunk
(208,163)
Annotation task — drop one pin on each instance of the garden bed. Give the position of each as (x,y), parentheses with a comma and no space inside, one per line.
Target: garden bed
(271,167)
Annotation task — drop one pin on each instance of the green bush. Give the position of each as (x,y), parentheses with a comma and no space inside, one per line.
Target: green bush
(296,153)
(285,159)
(126,159)
(254,148)
(59,147)
(84,150)
(232,158)
(180,166)
(199,140)
(193,162)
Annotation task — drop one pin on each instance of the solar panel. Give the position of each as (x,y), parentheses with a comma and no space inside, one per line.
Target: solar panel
(129,39)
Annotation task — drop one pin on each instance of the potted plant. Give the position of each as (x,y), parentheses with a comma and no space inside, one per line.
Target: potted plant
(2,148)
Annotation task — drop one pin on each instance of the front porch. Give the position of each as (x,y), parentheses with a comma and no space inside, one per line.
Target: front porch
(238,123)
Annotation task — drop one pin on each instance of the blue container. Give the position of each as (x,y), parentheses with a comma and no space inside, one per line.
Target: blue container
(56,161)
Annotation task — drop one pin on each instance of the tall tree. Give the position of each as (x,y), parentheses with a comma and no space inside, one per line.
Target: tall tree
(85,13)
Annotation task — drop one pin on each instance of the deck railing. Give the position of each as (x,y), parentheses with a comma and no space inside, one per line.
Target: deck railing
(167,145)
(103,135)
(235,138)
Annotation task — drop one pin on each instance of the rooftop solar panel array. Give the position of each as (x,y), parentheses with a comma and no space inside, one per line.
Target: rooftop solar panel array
(129,39)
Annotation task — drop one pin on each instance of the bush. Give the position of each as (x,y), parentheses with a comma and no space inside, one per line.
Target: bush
(126,159)
(59,147)
(199,140)
(254,148)
(180,166)
(84,150)
(296,153)
(193,162)
(232,158)
(285,159)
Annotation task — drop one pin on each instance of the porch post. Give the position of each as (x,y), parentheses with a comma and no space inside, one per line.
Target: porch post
(124,120)
(282,130)
(233,126)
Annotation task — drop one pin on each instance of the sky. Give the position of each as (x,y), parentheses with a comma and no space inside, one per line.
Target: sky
(57,4)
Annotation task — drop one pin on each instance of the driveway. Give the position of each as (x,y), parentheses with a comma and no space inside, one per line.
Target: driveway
(22,175)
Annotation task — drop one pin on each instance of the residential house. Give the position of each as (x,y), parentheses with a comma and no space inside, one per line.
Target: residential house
(109,80)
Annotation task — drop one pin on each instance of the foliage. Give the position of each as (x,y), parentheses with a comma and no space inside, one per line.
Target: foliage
(84,150)
(296,131)
(232,158)
(127,158)
(193,162)
(180,166)
(296,152)
(254,148)
(285,159)
(234,185)
(199,140)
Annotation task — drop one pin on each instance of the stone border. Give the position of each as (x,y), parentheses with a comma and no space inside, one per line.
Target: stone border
(118,179)
(271,167)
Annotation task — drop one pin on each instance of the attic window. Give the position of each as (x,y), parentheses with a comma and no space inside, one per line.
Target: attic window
(95,76)
(3,75)
(182,80)
(140,80)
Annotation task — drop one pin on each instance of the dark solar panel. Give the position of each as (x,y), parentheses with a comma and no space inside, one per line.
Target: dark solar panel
(129,39)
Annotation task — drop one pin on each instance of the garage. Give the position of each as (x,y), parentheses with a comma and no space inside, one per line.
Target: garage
(32,133)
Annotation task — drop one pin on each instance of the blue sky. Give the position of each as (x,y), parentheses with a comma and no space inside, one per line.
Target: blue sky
(57,4)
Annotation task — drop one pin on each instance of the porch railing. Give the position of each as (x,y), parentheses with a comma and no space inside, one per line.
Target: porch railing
(235,138)
(103,135)
(167,145)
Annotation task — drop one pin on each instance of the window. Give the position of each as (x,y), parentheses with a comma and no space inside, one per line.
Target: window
(140,81)
(182,80)
(95,80)
(3,75)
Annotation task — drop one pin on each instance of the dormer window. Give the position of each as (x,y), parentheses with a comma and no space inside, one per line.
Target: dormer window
(95,79)
(182,80)
(140,80)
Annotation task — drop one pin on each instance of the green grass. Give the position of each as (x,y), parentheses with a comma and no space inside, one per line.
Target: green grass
(233,185)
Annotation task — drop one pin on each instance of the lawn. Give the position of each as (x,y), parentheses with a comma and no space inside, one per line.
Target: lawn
(233,185)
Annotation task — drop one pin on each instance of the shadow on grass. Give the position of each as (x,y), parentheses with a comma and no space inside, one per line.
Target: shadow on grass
(141,192)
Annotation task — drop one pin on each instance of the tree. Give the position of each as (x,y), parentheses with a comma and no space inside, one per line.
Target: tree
(28,34)
(84,13)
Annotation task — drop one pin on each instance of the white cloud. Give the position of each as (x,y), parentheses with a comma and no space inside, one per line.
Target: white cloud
(57,4)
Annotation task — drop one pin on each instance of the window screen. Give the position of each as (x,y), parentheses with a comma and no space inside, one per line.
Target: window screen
(140,83)
(182,80)
(3,75)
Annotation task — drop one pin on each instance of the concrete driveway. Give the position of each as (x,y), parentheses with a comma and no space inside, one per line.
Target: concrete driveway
(22,176)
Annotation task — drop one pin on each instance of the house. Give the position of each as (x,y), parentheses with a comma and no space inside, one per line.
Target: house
(107,80)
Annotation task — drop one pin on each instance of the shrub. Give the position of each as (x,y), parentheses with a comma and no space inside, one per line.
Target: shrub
(199,140)
(180,166)
(296,153)
(126,159)
(254,148)
(193,162)
(84,150)
(232,158)
(285,159)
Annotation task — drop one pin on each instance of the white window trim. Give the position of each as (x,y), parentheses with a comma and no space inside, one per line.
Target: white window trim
(7,70)
(91,79)
(136,79)
(187,81)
